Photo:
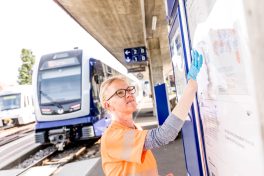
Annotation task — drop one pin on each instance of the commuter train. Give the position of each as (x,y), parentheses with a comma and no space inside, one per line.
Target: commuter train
(16,106)
(66,97)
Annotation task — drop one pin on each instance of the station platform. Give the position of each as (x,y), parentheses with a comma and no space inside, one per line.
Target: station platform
(170,158)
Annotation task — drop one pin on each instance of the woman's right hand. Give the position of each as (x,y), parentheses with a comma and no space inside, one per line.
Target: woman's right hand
(197,62)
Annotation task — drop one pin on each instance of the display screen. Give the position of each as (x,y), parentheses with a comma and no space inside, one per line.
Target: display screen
(60,63)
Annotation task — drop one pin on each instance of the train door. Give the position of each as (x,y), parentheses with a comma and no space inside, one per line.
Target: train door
(27,108)
(98,74)
(23,108)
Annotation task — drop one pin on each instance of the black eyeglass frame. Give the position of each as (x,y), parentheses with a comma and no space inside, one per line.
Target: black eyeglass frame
(128,89)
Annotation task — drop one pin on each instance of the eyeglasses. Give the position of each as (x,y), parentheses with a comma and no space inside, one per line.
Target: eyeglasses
(122,92)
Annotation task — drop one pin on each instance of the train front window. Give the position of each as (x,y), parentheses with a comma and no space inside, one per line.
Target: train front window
(60,85)
(8,102)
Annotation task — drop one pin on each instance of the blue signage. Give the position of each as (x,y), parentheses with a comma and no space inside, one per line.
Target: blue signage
(135,55)
(162,102)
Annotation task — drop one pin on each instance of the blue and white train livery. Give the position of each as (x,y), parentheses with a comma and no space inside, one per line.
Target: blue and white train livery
(66,97)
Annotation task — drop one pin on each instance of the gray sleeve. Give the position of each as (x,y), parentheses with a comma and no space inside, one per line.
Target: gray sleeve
(163,134)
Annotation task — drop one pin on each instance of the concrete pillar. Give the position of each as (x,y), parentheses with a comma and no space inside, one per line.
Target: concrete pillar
(155,63)
(155,66)
(255,23)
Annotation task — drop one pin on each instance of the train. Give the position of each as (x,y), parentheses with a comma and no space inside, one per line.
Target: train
(16,106)
(66,97)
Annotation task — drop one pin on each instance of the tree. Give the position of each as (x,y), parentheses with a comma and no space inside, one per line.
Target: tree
(26,69)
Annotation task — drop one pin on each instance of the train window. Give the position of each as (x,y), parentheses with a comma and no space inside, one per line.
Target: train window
(109,71)
(97,79)
(10,101)
(63,84)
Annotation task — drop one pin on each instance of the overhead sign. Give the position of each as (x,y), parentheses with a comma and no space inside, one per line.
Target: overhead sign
(136,69)
(135,55)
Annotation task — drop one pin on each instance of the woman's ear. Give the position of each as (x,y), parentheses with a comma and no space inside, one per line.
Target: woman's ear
(106,105)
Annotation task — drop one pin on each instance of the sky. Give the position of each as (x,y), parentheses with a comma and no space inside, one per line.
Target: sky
(43,27)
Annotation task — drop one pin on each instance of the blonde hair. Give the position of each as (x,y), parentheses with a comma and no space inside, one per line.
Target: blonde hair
(106,84)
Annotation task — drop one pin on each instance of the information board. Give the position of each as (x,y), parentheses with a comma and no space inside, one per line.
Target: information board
(231,125)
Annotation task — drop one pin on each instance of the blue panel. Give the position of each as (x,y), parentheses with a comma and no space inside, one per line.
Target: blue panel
(135,55)
(191,150)
(101,125)
(189,130)
(175,25)
(59,123)
(161,102)
(170,4)
(200,121)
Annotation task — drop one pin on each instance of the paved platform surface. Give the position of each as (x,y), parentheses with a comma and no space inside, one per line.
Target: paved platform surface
(170,159)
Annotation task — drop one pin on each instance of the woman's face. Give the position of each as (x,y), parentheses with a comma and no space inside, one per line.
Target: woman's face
(126,104)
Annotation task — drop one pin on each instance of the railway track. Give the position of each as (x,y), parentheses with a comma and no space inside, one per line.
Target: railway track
(38,162)
(59,158)
(22,158)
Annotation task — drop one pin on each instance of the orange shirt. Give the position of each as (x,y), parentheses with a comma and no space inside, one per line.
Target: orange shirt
(122,152)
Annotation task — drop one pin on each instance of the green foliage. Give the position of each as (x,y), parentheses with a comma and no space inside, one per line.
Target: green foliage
(26,69)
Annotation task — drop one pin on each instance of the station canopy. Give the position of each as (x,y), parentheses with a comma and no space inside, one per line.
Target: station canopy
(119,24)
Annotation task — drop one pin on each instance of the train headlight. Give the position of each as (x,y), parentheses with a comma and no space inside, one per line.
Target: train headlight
(75,107)
(46,111)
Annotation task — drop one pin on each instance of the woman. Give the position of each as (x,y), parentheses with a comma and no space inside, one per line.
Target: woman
(125,149)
